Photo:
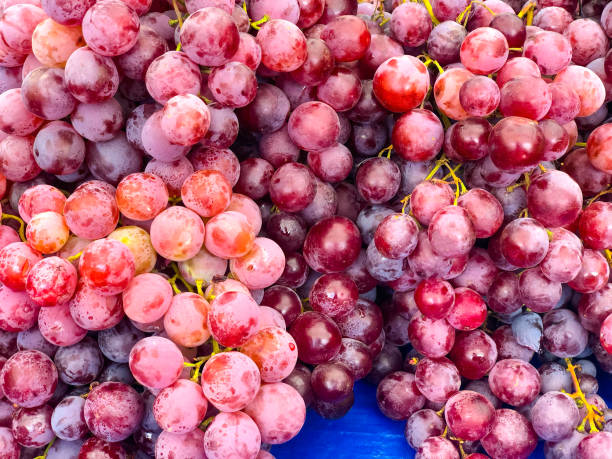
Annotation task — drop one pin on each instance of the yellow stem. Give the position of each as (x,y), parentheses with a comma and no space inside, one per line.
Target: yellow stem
(386,151)
(177,275)
(520,50)
(542,168)
(44,455)
(594,415)
(199,283)
(598,195)
(257,24)
(608,255)
(405,200)
(580,144)
(76,256)
(527,180)
(179,15)
(206,422)
(524,213)
(172,281)
(526,8)
(429,9)
(215,346)
(440,412)
(459,185)
(275,209)
(21,224)
(439,163)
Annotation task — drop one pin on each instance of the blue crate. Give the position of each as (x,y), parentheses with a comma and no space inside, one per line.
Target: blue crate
(364,433)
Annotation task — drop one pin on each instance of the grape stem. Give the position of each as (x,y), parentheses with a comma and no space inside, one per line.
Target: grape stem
(598,195)
(174,200)
(528,10)
(257,24)
(91,386)
(44,454)
(608,255)
(21,224)
(580,144)
(76,256)
(468,9)
(179,15)
(440,412)
(428,60)
(199,283)
(405,200)
(206,422)
(439,163)
(594,415)
(274,209)
(429,9)
(386,151)
(178,276)
(515,49)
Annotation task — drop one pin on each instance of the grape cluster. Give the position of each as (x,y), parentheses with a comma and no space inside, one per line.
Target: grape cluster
(217,213)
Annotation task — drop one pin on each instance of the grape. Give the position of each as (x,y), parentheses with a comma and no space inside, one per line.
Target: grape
(28,378)
(94,447)
(80,363)
(233,84)
(284,300)
(511,434)
(51,281)
(107,266)
(268,111)
(474,353)
(85,119)
(190,444)
(552,18)
(332,245)
(40,198)
(110,28)
(279,412)
(149,45)
(204,266)
(274,352)
(232,318)
(313,126)
(515,102)
(484,51)
(17,162)
(469,415)
(57,326)
(334,295)
(181,407)
(113,411)
(377,180)
(554,416)
(437,379)
(141,196)
(432,338)
(90,77)
(318,64)
(232,435)
(588,40)
(468,311)
(185,320)
(68,421)
(255,176)
(508,346)
(206,192)
(64,449)
(65,11)
(16,119)
(33,340)
(287,9)
(138,242)
(451,232)
(157,144)
(537,291)
(31,427)
(596,148)
(169,232)
(411,24)
(446,92)
(318,338)
(230,381)
(91,210)
(593,225)
(422,425)
(249,52)
(53,43)
(172,74)
(401,83)
(156,362)
(593,274)
(588,87)
(8,446)
(116,343)
(283,45)
(514,382)
(173,174)
(398,397)
(331,382)
(479,96)
(16,261)
(58,149)
(47,232)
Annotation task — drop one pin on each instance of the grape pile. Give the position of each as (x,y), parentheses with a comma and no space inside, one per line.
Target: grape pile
(217,213)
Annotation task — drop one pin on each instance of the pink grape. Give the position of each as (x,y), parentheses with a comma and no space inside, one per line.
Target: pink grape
(156,362)
(28,378)
(484,51)
(232,318)
(181,407)
(231,435)
(58,327)
(229,235)
(401,83)
(230,381)
(91,210)
(107,266)
(110,27)
(168,233)
(147,298)
(185,321)
(274,351)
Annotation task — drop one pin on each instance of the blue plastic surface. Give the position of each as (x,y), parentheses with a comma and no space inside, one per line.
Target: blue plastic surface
(364,433)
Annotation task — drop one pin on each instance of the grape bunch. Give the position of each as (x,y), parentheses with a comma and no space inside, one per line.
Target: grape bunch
(218,213)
